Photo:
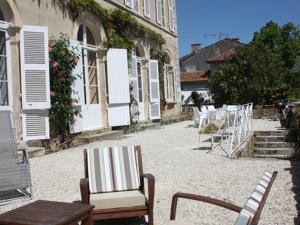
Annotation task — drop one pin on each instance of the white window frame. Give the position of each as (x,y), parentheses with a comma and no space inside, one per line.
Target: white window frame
(86,47)
(3,27)
(159,14)
(147,14)
(172,23)
(132,4)
(170,99)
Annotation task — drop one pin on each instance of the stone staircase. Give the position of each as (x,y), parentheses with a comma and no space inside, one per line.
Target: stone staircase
(272,144)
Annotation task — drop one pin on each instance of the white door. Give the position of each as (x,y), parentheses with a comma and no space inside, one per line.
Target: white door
(91,109)
(140,100)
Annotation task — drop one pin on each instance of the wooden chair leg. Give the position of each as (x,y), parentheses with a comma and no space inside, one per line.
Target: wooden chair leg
(150,218)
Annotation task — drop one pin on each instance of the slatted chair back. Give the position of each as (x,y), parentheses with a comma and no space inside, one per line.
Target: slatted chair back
(7,141)
(250,214)
(113,169)
(13,175)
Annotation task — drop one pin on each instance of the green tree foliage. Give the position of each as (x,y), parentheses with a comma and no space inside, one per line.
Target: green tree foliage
(259,72)
(197,99)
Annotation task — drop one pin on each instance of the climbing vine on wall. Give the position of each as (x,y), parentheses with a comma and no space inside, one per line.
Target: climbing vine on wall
(121,28)
(62,61)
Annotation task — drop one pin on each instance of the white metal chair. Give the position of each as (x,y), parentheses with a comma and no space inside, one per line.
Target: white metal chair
(15,180)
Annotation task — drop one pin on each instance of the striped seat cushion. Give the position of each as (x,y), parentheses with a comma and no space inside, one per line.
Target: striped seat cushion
(113,169)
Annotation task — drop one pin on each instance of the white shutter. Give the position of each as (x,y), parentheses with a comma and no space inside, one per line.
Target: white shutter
(171,15)
(159,11)
(78,86)
(154,107)
(166,86)
(118,87)
(35,82)
(35,67)
(147,8)
(174,83)
(35,125)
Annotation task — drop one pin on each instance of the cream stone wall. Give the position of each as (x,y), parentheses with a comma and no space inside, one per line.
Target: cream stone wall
(29,12)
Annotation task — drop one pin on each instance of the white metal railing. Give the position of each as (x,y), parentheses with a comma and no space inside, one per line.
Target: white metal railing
(237,126)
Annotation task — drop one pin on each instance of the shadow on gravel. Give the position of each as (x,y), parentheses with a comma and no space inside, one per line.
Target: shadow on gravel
(130,221)
(202,148)
(295,171)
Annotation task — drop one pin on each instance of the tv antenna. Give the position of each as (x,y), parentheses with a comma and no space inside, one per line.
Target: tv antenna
(220,35)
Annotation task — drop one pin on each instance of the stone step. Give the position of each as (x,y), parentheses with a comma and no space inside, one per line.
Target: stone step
(274,151)
(271,156)
(271,133)
(33,152)
(273,145)
(111,135)
(269,138)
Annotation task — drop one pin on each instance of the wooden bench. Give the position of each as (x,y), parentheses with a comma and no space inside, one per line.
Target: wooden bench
(248,215)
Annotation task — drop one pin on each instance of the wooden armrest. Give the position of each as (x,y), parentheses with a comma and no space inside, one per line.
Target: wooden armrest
(201,198)
(151,188)
(84,190)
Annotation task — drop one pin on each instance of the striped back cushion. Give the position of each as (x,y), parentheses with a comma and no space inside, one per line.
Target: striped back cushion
(252,204)
(113,169)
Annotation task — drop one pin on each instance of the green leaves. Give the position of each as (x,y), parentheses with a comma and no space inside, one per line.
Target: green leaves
(259,72)
(62,61)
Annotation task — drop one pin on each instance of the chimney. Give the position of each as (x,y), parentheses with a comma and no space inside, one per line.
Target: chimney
(236,39)
(196,47)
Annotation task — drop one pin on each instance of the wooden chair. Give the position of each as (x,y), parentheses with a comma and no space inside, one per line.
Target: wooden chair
(114,183)
(248,215)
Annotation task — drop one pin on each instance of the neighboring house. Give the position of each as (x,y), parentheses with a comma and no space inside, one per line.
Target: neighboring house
(26,25)
(193,81)
(203,61)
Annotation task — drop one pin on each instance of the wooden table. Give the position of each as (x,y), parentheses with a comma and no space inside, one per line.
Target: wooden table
(48,213)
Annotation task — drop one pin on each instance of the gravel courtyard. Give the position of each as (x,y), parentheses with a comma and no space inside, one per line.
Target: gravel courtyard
(171,154)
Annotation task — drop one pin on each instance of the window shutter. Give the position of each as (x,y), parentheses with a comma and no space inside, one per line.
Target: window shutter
(78,86)
(118,87)
(35,67)
(147,8)
(35,82)
(166,86)
(154,90)
(159,11)
(35,125)
(174,83)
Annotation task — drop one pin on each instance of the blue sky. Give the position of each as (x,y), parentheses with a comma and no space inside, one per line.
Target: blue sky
(199,19)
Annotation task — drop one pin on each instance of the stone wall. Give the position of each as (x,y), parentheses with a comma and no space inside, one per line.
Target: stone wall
(265,113)
(247,148)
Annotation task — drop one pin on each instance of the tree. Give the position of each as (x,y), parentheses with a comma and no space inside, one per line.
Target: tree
(258,72)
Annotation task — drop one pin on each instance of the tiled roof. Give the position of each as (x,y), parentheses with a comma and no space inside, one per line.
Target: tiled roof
(193,76)
(222,57)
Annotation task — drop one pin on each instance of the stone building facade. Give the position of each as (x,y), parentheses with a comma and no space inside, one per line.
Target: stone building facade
(20,18)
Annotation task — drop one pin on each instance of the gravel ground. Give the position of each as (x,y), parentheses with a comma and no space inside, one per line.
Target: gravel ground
(171,154)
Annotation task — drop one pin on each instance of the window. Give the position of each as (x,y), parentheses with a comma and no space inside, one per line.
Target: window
(159,16)
(4,100)
(190,68)
(170,83)
(147,11)
(90,65)
(172,15)
(5,89)
(132,4)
